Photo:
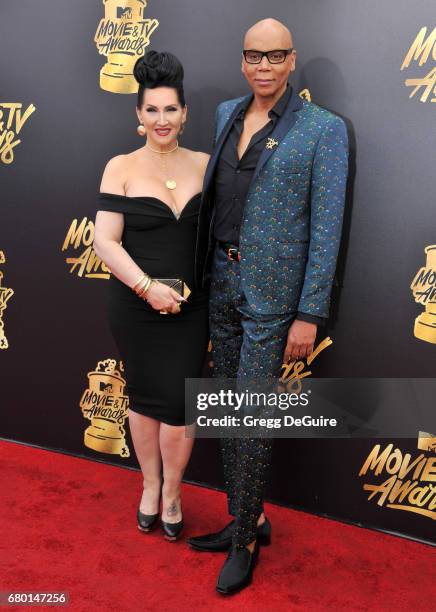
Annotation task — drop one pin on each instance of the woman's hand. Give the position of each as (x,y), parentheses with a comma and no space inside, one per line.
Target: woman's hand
(162,297)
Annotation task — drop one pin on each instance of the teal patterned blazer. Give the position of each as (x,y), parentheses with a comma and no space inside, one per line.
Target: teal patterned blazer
(292,222)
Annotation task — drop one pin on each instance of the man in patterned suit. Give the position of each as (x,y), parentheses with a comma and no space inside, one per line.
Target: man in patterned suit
(269,234)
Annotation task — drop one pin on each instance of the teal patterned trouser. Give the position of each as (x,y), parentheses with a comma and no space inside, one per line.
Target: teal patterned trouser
(244,344)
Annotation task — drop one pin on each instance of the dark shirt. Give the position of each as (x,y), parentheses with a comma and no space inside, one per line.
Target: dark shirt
(233,177)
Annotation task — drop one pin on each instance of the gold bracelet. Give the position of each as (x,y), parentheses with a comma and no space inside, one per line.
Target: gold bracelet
(140,281)
(141,293)
(143,288)
(144,293)
(143,285)
(152,283)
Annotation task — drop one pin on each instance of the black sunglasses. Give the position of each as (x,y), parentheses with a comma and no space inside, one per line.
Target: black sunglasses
(277,56)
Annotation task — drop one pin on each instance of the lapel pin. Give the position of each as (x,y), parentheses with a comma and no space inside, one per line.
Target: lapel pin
(271,143)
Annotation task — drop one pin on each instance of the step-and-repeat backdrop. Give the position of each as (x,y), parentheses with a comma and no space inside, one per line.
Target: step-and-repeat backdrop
(67,105)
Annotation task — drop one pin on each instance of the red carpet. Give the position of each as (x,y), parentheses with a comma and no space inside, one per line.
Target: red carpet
(69,524)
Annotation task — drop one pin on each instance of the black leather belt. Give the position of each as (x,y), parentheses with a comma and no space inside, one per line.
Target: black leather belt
(231,250)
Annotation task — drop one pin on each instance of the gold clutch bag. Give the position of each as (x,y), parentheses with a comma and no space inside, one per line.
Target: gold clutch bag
(177,284)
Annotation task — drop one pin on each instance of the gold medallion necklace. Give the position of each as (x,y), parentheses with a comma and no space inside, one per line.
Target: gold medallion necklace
(169,183)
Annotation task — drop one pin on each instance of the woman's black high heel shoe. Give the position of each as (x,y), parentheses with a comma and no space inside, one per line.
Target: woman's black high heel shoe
(146,522)
(172,530)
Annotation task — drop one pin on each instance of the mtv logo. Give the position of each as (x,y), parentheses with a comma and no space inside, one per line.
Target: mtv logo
(106,387)
(427,442)
(124,13)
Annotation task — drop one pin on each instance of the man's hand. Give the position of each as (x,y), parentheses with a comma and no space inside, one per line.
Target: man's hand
(301,338)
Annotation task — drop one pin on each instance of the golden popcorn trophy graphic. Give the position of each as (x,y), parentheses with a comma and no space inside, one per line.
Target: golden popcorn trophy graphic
(427,442)
(122,36)
(105,405)
(5,294)
(424,291)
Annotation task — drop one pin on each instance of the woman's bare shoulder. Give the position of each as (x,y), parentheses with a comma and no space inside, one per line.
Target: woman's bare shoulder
(203,160)
(114,175)
(121,163)
(198,157)
(203,157)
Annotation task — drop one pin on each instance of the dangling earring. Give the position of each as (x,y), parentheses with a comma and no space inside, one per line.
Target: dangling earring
(141,130)
(182,128)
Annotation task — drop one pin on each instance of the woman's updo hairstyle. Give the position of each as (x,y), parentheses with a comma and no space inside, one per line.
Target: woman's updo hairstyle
(159,70)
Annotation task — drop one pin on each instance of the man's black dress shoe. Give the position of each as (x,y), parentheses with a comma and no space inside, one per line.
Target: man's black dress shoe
(237,570)
(222,540)
(146,522)
(171,530)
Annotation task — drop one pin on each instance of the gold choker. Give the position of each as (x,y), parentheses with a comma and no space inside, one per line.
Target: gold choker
(162,152)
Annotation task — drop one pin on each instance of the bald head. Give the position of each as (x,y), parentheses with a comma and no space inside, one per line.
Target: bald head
(268,77)
(269,32)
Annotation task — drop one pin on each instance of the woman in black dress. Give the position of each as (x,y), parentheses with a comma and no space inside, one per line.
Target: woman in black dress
(149,201)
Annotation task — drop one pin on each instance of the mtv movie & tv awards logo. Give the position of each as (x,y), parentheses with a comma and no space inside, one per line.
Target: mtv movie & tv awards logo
(424,291)
(12,120)
(5,294)
(411,481)
(86,264)
(423,52)
(105,405)
(122,36)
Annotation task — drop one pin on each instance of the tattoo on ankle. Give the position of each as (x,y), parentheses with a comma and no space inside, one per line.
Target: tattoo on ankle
(172,510)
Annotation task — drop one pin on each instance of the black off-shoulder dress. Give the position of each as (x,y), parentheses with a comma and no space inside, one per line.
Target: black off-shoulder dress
(158,351)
